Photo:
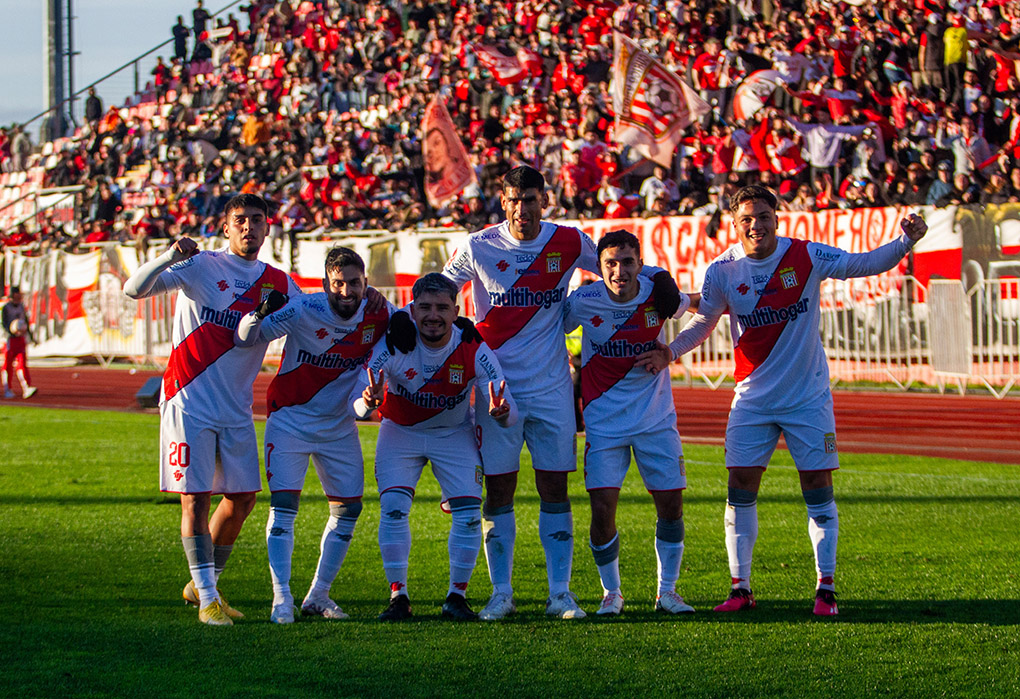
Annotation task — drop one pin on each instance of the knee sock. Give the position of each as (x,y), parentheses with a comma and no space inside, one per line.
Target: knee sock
(336,539)
(823,528)
(500,528)
(280,543)
(741,523)
(607,560)
(669,552)
(199,552)
(556,530)
(395,537)
(464,542)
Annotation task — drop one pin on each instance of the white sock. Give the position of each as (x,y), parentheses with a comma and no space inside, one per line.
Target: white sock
(336,539)
(280,546)
(199,552)
(500,528)
(823,528)
(556,530)
(464,542)
(669,552)
(607,560)
(741,523)
(395,537)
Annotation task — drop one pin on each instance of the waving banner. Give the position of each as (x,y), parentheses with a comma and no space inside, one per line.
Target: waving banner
(447,169)
(653,106)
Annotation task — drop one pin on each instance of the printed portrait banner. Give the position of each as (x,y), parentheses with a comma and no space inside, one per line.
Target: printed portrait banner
(447,169)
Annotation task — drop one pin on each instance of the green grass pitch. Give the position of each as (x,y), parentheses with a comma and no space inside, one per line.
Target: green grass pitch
(92,570)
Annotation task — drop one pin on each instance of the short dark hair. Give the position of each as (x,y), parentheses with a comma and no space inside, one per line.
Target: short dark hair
(524,177)
(434,283)
(15,289)
(339,257)
(618,239)
(753,192)
(246,200)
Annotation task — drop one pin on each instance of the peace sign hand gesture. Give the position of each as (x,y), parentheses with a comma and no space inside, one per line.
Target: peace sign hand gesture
(499,409)
(373,393)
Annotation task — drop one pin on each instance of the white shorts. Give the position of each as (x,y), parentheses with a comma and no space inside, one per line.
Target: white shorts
(338,462)
(401,453)
(810,433)
(546,424)
(659,456)
(195,457)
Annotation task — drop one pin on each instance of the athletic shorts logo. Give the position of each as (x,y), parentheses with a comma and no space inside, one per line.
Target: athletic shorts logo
(788,276)
(830,442)
(457,374)
(222,285)
(683,466)
(552,263)
(478,474)
(367,334)
(651,318)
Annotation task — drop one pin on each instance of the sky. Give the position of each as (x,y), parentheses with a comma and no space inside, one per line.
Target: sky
(107,33)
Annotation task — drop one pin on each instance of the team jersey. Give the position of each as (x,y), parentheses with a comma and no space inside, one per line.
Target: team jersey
(323,365)
(207,377)
(620,399)
(775,316)
(430,388)
(518,288)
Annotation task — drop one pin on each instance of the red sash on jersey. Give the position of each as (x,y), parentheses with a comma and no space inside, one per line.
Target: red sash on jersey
(556,260)
(755,344)
(403,411)
(207,343)
(303,382)
(602,373)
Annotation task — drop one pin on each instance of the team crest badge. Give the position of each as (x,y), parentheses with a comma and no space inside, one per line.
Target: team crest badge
(552,263)
(651,318)
(683,466)
(367,334)
(788,276)
(830,442)
(264,292)
(456,374)
(478,474)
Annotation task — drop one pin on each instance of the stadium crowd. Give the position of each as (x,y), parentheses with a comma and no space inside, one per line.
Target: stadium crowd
(317,106)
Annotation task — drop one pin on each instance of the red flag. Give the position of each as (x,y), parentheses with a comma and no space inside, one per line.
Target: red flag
(653,106)
(447,170)
(506,69)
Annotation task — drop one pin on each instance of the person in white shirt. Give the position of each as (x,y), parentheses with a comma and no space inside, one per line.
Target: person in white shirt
(207,437)
(769,285)
(627,408)
(330,336)
(427,417)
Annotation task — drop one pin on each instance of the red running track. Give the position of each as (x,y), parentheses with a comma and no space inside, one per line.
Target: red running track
(973,427)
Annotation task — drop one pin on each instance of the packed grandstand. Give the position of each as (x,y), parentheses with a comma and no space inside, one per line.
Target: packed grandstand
(318,106)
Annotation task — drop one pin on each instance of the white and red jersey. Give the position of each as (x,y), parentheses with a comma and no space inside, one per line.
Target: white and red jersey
(431,388)
(518,288)
(775,316)
(207,377)
(322,371)
(620,399)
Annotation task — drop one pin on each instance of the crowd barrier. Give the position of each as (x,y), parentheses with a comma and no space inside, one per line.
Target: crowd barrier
(897,328)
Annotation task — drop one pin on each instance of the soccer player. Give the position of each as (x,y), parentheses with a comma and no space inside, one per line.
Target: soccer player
(207,437)
(625,408)
(329,340)
(769,285)
(519,271)
(427,417)
(17,328)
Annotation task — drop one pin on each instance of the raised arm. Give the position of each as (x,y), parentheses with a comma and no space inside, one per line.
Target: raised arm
(146,280)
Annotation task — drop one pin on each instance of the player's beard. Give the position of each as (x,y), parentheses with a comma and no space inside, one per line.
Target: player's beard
(344,309)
